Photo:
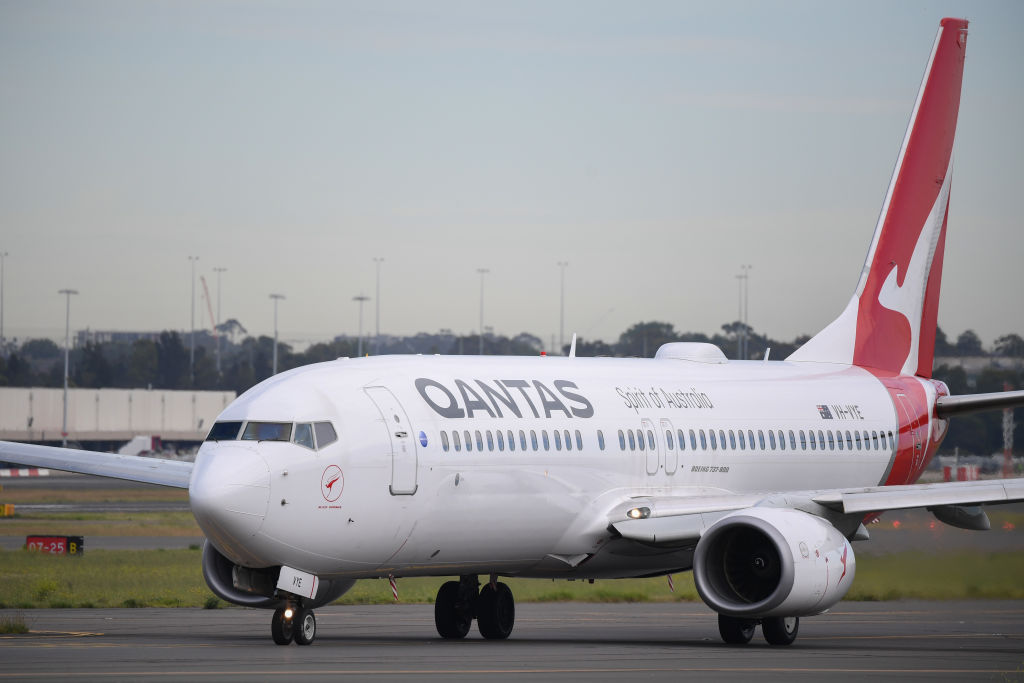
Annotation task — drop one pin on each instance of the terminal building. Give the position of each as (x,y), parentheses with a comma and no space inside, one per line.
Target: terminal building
(105,417)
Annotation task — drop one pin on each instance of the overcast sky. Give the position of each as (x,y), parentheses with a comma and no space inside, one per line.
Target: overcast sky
(655,146)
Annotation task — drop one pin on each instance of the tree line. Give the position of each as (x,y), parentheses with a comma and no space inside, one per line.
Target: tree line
(163,362)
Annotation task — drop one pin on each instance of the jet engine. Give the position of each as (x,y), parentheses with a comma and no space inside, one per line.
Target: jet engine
(258,587)
(772,562)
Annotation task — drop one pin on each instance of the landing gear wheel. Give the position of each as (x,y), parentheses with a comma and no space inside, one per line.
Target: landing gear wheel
(495,612)
(283,630)
(305,627)
(780,630)
(735,630)
(451,622)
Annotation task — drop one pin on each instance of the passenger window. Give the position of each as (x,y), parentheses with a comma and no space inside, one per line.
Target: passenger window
(721,438)
(693,441)
(792,440)
(760,438)
(600,439)
(544,438)
(558,440)
(522,441)
(750,439)
(267,431)
(856,437)
(668,440)
(632,440)
(469,440)
(874,439)
(821,440)
(501,439)
(892,442)
(622,441)
(533,439)
(640,438)
(650,439)
(782,441)
(579,441)
(479,441)
(703,441)
(839,440)
(771,438)
(867,440)
(814,444)
(304,435)
(456,441)
(444,441)
(743,442)
(490,441)
(568,441)
(849,441)
(732,439)
(224,431)
(682,439)
(511,440)
(803,440)
(713,440)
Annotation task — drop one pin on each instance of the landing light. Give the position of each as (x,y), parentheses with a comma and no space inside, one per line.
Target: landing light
(639,513)
(288,613)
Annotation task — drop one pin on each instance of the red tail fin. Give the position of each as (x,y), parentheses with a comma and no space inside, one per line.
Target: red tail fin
(889,323)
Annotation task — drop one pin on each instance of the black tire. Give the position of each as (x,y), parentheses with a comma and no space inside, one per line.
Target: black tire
(304,625)
(495,612)
(780,630)
(736,630)
(282,630)
(451,622)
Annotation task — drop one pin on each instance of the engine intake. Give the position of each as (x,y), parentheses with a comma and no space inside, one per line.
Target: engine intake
(764,562)
(257,587)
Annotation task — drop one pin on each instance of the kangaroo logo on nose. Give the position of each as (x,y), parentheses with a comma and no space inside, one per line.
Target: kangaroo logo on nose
(331,483)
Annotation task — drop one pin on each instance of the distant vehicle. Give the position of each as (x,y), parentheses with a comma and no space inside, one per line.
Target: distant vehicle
(140,445)
(755,474)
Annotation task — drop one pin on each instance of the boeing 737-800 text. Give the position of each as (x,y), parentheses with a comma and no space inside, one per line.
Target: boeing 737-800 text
(755,474)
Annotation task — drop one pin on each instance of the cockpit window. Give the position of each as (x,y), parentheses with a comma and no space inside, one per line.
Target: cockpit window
(325,434)
(267,431)
(224,431)
(304,435)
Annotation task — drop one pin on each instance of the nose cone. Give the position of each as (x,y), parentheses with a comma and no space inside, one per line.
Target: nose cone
(229,492)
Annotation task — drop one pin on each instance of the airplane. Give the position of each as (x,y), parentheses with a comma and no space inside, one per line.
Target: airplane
(757,475)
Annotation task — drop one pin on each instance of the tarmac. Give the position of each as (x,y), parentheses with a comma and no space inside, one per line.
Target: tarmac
(561,642)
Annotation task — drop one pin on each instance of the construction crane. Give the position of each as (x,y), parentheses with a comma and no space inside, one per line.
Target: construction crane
(213,323)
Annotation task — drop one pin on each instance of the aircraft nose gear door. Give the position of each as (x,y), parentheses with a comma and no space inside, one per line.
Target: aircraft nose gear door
(403,445)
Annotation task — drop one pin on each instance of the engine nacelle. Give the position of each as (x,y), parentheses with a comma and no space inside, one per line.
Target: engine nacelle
(767,562)
(257,587)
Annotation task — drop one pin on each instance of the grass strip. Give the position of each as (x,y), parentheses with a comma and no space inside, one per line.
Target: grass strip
(173,578)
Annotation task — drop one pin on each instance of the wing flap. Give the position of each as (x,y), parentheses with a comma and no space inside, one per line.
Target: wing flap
(174,473)
(880,498)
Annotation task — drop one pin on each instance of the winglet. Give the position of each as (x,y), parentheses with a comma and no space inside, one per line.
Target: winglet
(889,323)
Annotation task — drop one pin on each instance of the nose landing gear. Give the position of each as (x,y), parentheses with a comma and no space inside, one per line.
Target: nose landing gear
(293,623)
(459,602)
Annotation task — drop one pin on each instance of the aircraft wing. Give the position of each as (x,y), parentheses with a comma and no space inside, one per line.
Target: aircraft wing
(682,520)
(173,473)
(948,406)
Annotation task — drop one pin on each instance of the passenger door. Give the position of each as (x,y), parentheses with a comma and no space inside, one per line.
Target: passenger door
(403,445)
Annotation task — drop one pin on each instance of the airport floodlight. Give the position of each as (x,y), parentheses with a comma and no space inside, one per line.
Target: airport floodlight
(561,316)
(276,298)
(362,298)
(482,271)
(67,345)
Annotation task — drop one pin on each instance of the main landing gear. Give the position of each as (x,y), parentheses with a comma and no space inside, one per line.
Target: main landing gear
(293,623)
(776,630)
(459,602)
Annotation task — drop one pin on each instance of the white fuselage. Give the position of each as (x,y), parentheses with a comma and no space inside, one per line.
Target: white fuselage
(405,500)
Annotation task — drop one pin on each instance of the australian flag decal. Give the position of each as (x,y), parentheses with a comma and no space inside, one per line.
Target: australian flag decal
(826,414)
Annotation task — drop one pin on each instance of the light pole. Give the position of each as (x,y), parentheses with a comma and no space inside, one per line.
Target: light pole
(482,271)
(739,318)
(67,345)
(561,317)
(192,335)
(217,328)
(376,340)
(361,298)
(3,255)
(276,298)
(745,309)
